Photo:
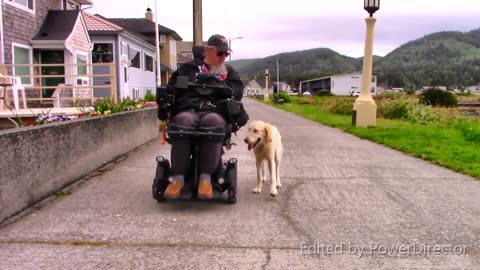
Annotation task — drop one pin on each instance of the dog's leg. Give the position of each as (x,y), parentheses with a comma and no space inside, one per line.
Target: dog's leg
(264,172)
(273,176)
(277,161)
(258,188)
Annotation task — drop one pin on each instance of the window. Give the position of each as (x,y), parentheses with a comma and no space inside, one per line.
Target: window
(148,62)
(69,5)
(102,53)
(22,55)
(81,64)
(134,57)
(173,47)
(124,49)
(162,38)
(23,4)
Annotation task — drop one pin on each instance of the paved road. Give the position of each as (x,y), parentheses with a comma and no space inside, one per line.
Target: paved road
(346,204)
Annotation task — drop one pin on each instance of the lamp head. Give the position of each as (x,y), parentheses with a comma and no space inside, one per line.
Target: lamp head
(371,6)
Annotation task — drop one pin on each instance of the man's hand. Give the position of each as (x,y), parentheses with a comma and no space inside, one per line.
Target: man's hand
(162,126)
(206,77)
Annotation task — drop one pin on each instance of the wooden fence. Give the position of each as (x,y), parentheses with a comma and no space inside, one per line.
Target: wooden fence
(98,81)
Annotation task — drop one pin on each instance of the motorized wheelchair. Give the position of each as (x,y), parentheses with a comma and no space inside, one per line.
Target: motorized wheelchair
(224,179)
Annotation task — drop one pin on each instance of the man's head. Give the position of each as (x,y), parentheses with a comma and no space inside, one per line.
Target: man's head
(216,50)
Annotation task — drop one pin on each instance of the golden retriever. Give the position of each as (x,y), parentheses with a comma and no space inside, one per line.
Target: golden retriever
(266,142)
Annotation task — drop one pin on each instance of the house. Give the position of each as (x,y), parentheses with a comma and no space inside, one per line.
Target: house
(145,28)
(133,57)
(342,84)
(253,89)
(51,33)
(474,89)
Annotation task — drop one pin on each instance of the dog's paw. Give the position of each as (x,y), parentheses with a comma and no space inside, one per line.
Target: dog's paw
(273,193)
(257,190)
(264,180)
(279,185)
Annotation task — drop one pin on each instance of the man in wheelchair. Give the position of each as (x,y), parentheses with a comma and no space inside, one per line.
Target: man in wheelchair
(200,109)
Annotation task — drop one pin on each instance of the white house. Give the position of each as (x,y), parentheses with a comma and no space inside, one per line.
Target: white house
(342,84)
(253,89)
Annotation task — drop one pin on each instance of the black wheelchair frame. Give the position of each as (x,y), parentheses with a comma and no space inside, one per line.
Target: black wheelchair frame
(225,177)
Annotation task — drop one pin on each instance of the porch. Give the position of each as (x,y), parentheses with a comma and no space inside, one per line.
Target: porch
(57,89)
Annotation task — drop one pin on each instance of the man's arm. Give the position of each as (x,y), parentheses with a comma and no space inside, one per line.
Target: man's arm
(234,82)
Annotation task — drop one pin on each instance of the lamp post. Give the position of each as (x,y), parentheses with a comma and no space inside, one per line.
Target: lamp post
(265,93)
(364,108)
(230,45)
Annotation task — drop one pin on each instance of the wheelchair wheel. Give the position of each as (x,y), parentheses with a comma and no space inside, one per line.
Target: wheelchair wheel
(160,182)
(232,179)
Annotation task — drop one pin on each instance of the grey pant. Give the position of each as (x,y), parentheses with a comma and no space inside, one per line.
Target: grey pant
(209,152)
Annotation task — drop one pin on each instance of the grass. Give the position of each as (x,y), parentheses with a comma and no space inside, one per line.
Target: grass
(455,146)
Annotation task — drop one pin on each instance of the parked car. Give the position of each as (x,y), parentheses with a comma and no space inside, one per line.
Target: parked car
(306,93)
(355,93)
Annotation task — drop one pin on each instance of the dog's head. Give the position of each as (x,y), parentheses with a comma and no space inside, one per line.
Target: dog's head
(259,132)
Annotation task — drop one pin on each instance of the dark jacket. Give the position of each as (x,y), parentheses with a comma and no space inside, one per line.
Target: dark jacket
(186,99)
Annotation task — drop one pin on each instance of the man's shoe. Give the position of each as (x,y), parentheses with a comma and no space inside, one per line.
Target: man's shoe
(173,190)
(205,190)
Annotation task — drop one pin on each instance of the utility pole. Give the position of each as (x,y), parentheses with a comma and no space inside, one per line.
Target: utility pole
(157,45)
(278,78)
(197,23)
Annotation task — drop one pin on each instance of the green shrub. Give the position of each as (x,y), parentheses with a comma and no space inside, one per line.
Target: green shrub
(421,114)
(437,97)
(284,96)
(469,130)
(394,109)
(149,97)
(340,105)
(323,93)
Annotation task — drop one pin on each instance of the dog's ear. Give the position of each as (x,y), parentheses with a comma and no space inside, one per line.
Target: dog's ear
(269,132)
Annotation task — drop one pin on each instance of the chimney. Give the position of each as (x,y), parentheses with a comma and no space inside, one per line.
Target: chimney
(149,15)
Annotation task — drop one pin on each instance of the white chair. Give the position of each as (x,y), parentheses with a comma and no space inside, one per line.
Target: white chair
(16,85)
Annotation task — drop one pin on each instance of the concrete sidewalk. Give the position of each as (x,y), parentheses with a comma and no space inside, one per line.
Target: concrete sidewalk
(346,203)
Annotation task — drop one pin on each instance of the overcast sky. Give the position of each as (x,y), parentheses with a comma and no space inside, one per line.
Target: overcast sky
(269,27)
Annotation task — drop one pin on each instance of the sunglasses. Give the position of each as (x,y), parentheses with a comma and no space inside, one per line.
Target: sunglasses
(220,54)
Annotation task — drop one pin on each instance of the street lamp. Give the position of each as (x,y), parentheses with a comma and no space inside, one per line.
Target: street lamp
(265,93)
(230,45)
(364,108)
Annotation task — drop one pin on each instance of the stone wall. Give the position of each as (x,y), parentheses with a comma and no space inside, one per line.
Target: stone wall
(38,161)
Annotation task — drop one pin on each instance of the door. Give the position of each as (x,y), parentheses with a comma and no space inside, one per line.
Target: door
(124,93)
(52,57)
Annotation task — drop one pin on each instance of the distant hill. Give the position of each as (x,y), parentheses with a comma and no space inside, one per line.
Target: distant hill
(442,58)
(239,64)
(301,65)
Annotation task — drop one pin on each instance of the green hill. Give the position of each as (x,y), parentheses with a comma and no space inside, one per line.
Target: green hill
(301,65)
(443,58)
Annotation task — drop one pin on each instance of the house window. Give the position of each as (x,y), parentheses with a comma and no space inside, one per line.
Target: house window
(124,49)
(22,55)
(23,4)
(148,63)
(69,5)
(134,57)
(102,53)
(81,64)
(162,38)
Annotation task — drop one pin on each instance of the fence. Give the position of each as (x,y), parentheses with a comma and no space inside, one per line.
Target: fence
(60,85)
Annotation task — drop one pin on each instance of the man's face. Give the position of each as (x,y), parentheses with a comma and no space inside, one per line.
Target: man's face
(215,56)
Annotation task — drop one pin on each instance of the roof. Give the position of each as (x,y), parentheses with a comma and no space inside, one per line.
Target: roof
(58,25)
(96,23)
(143,26)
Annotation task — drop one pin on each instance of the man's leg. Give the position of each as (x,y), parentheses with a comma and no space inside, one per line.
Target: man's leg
(210,153)
(180,154)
